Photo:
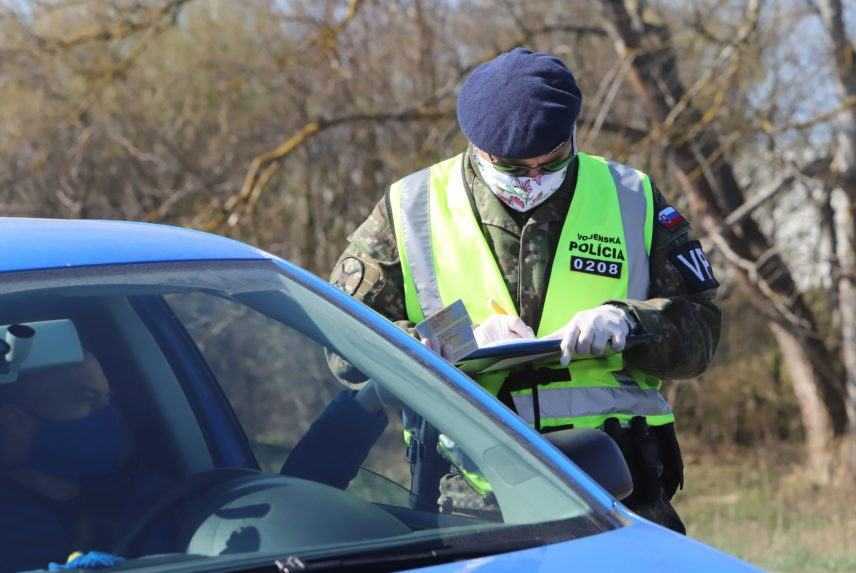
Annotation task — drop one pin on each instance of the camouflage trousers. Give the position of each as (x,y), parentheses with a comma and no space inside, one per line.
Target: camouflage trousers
(457,496)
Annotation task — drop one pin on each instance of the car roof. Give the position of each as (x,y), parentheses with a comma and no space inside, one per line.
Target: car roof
(32,244)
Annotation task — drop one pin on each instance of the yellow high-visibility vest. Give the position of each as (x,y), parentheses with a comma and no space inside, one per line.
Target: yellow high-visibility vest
(603,254)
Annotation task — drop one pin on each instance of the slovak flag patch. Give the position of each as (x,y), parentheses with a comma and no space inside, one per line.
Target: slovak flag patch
(669,218)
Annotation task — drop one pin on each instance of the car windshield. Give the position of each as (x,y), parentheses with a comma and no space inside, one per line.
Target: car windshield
(215,413)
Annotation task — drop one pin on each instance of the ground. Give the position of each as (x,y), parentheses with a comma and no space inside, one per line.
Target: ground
(756,504)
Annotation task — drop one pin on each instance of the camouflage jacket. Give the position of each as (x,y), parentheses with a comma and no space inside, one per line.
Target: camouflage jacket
(679,311)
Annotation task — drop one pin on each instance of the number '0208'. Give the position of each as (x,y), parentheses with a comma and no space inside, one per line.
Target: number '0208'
(596,267)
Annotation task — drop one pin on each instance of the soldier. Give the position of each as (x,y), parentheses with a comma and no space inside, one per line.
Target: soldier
(571,245)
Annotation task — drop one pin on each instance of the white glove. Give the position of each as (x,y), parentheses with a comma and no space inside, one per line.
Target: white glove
(499,327)
(591,331)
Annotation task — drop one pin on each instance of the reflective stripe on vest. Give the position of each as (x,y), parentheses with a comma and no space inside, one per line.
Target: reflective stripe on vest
(610,222)
(573,402)
(422,294)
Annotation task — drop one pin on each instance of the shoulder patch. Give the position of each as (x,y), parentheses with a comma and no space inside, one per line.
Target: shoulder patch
(350,274)
(696,270)
(669,218)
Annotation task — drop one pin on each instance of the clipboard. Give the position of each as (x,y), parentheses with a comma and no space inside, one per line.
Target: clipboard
(538,351)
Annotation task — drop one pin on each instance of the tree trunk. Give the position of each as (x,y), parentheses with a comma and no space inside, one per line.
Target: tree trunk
(845,230)
(843,203)
(713,195)
(818,425)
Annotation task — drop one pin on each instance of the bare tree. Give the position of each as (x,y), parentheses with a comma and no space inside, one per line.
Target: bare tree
(708,178)
(840,175)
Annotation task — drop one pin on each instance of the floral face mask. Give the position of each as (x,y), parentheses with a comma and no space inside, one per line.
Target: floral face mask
(522,193)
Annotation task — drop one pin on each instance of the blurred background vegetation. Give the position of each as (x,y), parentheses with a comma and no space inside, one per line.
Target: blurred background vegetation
(281,122)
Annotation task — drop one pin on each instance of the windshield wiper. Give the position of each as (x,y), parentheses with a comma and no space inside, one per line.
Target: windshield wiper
(395,561)
(433,552)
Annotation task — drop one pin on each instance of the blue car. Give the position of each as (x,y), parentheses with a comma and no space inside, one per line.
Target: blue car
(168,403)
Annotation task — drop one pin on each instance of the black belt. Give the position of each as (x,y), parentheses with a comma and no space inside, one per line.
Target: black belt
(530,379)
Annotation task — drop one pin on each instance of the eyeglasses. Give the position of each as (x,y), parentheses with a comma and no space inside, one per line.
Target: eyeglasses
(519,170)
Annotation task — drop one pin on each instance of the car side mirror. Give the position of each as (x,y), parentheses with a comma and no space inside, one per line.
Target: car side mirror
(598,455)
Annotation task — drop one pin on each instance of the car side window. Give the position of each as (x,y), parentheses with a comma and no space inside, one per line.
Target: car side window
(278,383)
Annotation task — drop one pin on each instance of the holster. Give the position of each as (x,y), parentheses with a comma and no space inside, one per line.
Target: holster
(653,456)
(673,462)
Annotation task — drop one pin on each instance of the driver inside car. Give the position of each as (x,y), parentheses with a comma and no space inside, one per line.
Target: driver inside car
(339,440)
(62,447)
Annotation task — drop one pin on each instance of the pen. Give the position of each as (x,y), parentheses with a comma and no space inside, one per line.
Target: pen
(497,308)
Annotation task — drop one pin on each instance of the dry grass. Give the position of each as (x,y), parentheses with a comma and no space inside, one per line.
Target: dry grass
(757,506)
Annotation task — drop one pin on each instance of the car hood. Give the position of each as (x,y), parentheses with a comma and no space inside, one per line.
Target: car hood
(638,547)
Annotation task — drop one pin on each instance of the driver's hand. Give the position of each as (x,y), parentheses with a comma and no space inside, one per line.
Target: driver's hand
(374,398)
(594,331)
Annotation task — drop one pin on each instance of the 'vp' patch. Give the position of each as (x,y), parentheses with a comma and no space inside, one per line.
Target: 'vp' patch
(693,265)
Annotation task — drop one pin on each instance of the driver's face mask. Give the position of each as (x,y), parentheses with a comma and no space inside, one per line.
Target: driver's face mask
(514,187)
(90,446)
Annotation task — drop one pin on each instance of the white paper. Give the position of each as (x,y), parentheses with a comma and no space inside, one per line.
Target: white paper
(452,329)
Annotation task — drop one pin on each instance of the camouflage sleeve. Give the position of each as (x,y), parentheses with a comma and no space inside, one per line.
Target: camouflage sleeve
(681,313)
(369,270)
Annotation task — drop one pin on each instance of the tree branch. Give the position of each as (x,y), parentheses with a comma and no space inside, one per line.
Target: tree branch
(264,166)
(121,30)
